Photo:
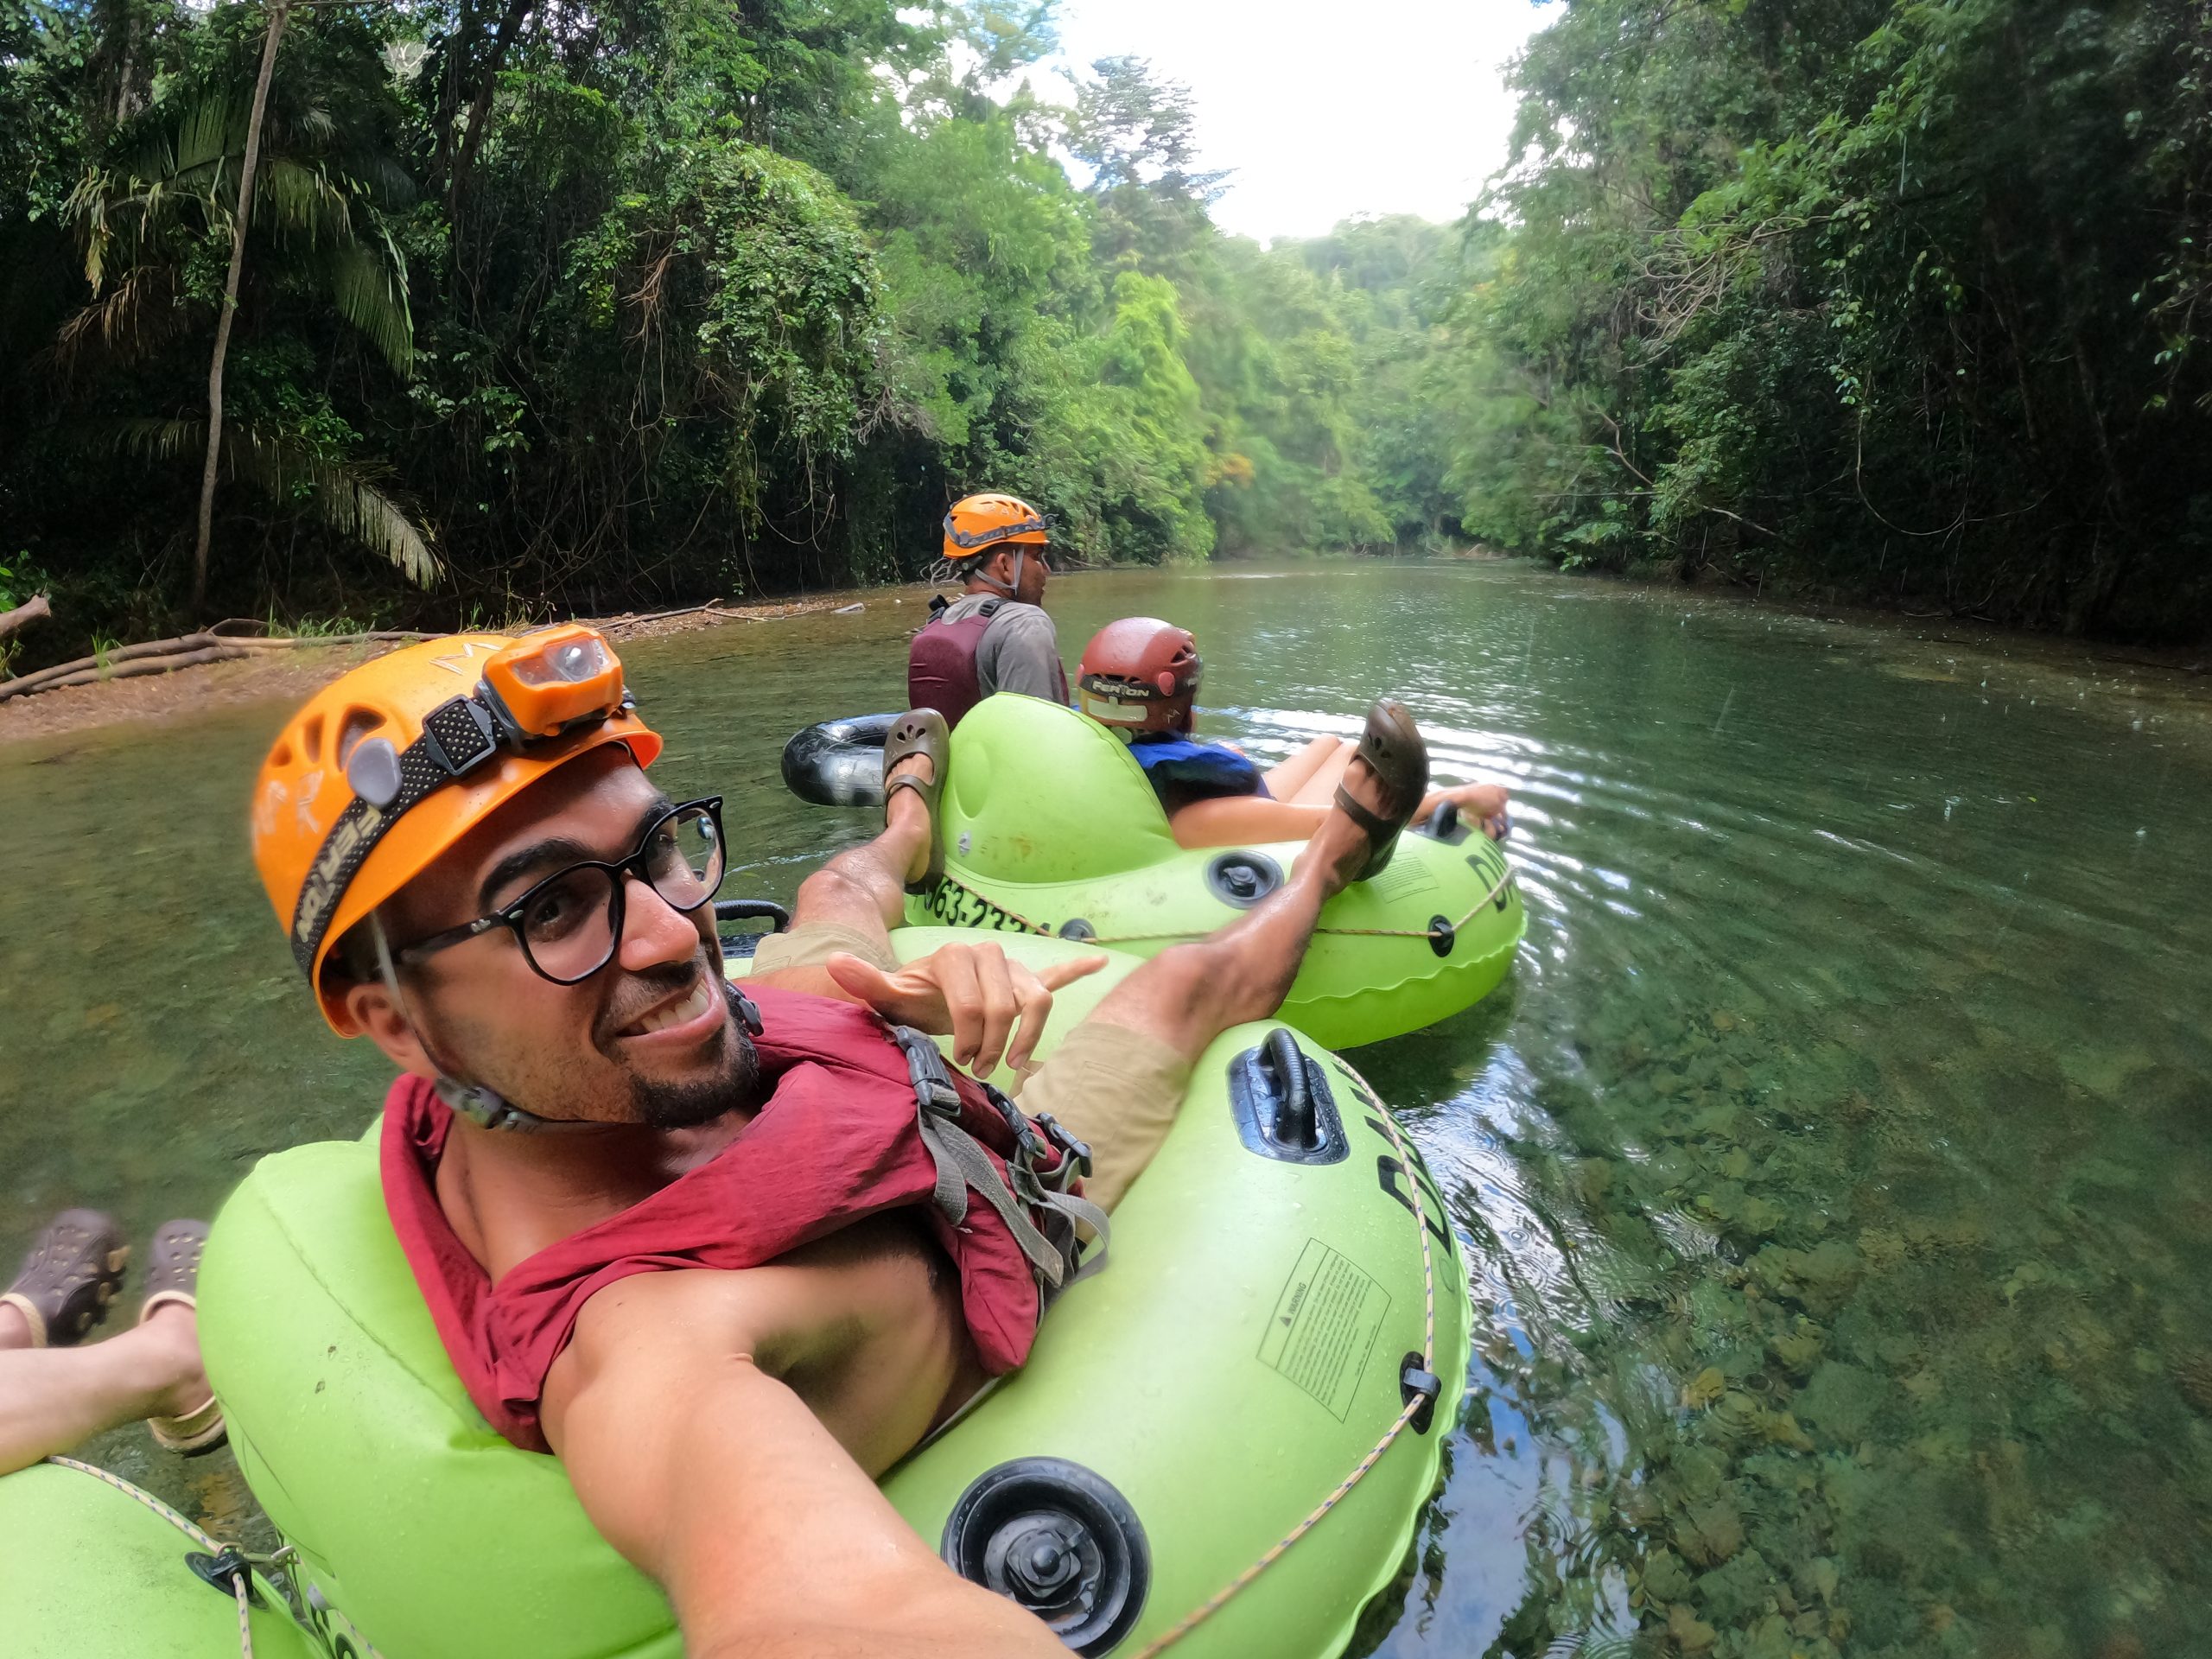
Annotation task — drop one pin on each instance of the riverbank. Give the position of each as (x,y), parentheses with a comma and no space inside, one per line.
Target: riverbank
(1912,648)
(157,699)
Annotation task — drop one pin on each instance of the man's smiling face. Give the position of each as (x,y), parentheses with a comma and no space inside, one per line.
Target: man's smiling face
(649,1038)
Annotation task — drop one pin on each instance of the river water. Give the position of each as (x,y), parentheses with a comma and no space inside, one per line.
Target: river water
(1836,1166)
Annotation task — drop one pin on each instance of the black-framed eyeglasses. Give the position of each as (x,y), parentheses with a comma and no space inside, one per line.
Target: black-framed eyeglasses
(570,924)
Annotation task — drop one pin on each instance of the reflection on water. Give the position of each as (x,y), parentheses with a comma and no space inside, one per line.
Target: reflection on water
(1835,1163)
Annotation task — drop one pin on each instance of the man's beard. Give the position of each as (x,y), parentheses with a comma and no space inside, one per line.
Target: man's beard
(687,1105)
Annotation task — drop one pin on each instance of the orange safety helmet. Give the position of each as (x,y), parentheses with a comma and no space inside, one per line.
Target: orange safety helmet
(1139,675)
(389,765)
(979,522)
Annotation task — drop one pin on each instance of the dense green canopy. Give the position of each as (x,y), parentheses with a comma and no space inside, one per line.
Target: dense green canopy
(642,302)
(627,303)
(1897,299)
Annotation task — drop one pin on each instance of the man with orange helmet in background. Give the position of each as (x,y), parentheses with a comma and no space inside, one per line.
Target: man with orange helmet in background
(703,1245)
(1140,676)
(996,637)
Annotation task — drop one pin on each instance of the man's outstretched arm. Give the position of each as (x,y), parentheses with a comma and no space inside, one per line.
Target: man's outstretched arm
(715,1478)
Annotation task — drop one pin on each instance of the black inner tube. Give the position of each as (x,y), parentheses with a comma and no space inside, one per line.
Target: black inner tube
(839,762)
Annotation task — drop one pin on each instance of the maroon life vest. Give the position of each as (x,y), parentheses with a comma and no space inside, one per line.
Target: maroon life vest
(941,671)
(862,1118)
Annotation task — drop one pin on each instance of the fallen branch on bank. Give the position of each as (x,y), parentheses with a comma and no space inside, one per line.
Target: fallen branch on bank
(213,645)
(25,688)
(714,612)
(287,641)
(29,611)
(186,650)
(613,622)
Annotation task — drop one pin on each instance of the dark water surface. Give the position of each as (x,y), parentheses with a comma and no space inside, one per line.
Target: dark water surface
(1837,1164)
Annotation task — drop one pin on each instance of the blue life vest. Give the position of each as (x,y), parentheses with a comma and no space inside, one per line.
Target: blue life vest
(1181,771)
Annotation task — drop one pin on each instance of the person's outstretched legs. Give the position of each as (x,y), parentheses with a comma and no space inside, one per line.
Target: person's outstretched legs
(852,902)
(54,1395)
(52,1399)
(1312,775)
(1118,1079)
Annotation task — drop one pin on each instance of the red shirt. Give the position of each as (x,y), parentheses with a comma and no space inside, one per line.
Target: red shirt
(836,1140)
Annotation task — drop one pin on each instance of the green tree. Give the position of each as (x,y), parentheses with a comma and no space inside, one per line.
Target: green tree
(1877,299)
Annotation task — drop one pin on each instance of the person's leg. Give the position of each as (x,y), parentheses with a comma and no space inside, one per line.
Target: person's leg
(1117,1081)
(52,1399)
(1319,788)
(868,883)
(852,902)
(15,1329)
(1189,994)
(1284,781)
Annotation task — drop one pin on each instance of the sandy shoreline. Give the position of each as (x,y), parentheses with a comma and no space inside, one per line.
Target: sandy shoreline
(154,699)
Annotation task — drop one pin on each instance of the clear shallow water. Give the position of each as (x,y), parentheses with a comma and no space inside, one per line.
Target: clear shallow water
(1837,1163)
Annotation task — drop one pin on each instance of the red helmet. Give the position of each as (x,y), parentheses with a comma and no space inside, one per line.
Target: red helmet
(1140,674)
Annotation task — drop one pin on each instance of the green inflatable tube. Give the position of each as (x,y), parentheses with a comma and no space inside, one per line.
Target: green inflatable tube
(1049,827)
(87,1571)
(1245,1348)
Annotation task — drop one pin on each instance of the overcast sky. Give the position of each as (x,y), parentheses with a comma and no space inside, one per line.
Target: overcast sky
(1324,110)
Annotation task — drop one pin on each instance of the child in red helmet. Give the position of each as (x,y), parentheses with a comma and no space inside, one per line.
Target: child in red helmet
(1140,677)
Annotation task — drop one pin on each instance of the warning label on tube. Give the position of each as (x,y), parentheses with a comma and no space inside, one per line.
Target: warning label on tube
(1324,1326)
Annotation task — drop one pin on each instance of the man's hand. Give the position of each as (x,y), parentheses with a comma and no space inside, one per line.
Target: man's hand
(994,1008)
(1485,803)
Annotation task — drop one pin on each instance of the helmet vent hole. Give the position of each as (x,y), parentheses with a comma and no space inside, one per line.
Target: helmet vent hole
(311,736)
(359,722)
(281,755)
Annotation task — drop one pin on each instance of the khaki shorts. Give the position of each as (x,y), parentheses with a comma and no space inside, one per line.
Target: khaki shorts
(1111,1086)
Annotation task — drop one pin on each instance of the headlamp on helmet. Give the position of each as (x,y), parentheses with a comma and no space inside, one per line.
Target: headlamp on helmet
(391,764)
(550,683)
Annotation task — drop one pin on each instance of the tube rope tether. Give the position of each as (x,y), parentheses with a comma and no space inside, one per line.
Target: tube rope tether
(1197,1616)
(241,1582)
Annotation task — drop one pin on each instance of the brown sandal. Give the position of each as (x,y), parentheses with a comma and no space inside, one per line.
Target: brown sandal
(920,731)
(1397,753)
(70,1276)
(173,1278)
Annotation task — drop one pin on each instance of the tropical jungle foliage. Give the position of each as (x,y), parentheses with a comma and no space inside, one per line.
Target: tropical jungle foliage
(630,303)
(633,302)
(1890,298)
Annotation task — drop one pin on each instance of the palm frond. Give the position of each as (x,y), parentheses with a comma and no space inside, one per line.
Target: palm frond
(87,207)
(210,129)
(161,440)
(369,286)
(291,198)
(134,320)
(337,492)
(389,184)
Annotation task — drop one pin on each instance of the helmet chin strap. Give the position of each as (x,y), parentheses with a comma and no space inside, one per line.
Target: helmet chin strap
(479,1105)
(1009,588)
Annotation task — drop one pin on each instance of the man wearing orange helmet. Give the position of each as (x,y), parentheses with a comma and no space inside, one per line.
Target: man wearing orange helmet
(729,1256)
(1140,676)
(996,637)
